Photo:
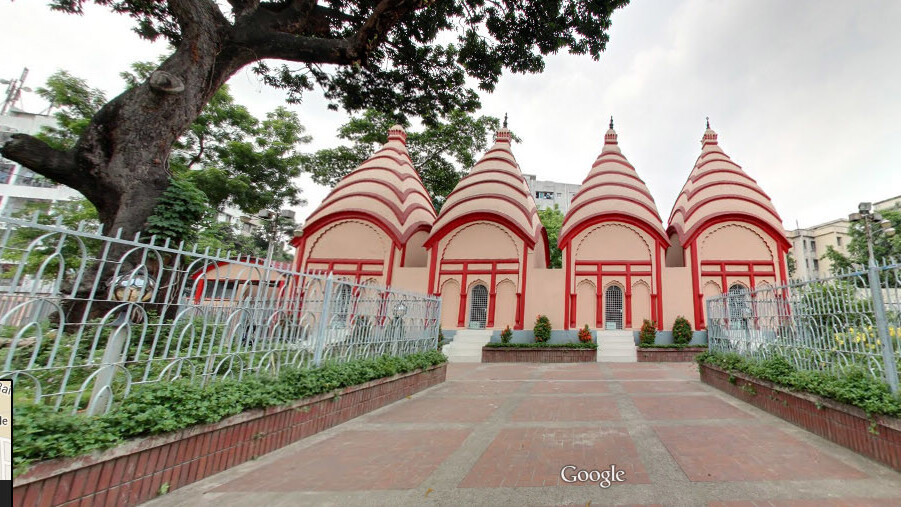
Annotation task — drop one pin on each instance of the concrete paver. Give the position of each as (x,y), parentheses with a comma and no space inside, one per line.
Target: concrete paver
(500,435)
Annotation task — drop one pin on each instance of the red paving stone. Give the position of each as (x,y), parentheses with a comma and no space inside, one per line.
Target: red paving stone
(743,452)
(524,457)
(502,372)
(570,387)
(661,386)
(701,406)
(581,408)
(437,410)
(648,374)
(814,502)
(476,387)
(578,374)
(355,460)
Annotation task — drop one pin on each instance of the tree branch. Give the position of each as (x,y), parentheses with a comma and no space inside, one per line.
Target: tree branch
(197,17)
(243,7)
(38,156)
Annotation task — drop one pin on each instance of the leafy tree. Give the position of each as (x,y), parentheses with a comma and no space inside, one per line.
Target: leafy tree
(75,103)
(792,265)
(552,220)
(393,55)
(181,212)
(440,152)
(884,247)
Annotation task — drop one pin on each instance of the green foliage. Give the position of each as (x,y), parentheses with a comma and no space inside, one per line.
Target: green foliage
(853,385)
(43,434)
(668,345)
(441,152)
(542,329)
(545,345)
(648,332)
(681,331)
(552,220)
(793,264)
(884,247)
(506,335)
(75,103)
(585,334)
(180,212)
(440,338)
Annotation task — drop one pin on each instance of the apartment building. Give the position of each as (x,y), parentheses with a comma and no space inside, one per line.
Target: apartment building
(549,193)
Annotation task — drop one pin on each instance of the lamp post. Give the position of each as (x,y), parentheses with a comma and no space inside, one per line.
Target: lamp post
(866,215)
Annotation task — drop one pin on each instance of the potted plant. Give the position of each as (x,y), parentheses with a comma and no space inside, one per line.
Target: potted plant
(584,334)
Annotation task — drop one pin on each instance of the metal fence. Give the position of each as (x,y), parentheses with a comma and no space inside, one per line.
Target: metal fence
(827,324)
(86,317)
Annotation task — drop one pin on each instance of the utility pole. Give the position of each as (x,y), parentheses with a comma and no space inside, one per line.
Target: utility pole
(14,90)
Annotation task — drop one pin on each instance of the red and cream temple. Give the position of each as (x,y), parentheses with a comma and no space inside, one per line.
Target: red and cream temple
(486,253)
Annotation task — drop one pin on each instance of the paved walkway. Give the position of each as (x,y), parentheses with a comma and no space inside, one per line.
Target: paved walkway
(500,434)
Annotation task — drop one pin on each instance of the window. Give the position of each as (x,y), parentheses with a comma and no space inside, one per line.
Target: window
(813,246)
(839,240)
(220,289)
(805,245)
(559,194)
(807,263)
(6,172)
(816,265)
(544,195)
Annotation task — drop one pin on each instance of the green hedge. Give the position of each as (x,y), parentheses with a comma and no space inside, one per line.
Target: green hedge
(669,345)
(43,434)
(854,386)
(544,345)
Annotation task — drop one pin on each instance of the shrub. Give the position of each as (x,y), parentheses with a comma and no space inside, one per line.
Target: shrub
(648,332)
(570,345)
(681,331)
(542,329)
(440,338)
(584,334)
(506,335)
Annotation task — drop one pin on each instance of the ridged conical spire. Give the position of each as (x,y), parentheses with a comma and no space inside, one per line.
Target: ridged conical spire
(612,187)
(495,186)
(715,187)
(387,187)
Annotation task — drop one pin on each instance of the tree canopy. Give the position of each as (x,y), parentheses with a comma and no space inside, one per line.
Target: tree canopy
(410,58)
(884,247)
(441,153)
(552,220)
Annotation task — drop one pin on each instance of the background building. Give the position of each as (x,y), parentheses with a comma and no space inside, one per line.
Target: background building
(549,193)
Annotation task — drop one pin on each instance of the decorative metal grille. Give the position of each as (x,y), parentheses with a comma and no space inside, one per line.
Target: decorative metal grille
(84,317)
(478,307)
(613,306)
(851,319)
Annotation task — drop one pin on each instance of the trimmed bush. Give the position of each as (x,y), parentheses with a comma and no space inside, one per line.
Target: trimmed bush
(648,333)
(681,331)
(43,434)
(585,334)
(542,329)
(543,345)
(506,335)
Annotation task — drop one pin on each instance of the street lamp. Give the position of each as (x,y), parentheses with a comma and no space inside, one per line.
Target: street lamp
(869,218)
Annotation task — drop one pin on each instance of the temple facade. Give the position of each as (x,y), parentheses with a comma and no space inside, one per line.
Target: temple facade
(486,253)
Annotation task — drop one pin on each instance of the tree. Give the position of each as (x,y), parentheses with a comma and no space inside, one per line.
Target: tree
(384,54)
(440,152)
(792,265)
(884,247)
(552,220)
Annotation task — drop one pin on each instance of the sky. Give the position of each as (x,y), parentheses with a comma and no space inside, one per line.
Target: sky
(804,94)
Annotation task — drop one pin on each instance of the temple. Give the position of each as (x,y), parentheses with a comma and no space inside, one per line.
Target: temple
(486,254)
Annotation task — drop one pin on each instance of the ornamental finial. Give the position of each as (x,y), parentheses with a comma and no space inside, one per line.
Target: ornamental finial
(611,122)
(708,123)
(505,120)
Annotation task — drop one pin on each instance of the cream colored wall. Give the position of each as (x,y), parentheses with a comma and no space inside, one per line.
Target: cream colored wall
(349,239)
(410,279)
(450,303)
(641,303)
(677,294)
(505,305)
(586,304)
(416,254)
(545,296)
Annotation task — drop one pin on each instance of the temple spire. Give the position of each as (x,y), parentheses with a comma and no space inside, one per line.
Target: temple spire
(708,123)
(505,120)
(611,122)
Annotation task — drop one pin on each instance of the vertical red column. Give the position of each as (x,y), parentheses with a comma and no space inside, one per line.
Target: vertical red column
(567,295)
(492,295)
(661,251)
(433,270)
(520,323)
(628,296)
(696,286)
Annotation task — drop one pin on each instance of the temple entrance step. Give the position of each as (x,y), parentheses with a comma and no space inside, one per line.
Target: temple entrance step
(467,346)
(616,346)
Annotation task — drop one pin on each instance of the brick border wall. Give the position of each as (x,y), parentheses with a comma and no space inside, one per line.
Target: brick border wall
(668,355)
(843,424)
(538,355)
(134,472)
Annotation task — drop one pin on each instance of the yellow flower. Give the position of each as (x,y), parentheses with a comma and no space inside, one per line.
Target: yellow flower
(857,339)
(872,346)
(869,328)
(851,329)
(834,349)
(841,342)
(878,342)
(891,332)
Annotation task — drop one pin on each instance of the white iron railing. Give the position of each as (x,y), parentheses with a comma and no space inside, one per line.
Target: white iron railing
(85,317)
(826,324)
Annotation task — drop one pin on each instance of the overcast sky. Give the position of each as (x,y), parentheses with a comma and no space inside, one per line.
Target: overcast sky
(804,94)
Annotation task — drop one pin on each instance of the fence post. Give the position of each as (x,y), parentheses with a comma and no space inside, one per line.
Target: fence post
(323,319)
(112,356)
(888,354)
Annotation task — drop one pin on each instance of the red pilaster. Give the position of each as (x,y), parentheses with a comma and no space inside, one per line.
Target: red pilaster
(696,286)
(567,294)
(433,268)
(522,291)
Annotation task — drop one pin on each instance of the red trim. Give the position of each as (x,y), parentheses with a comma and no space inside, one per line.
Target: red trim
(602,160)
(627,218)
(696,206)
(642,191)
(488,216)
(566,294)
(661,251)
(716,218)
(527,213)
(783,270)
(749,186)
(367,216)
(390,267)
(518,189)
(584,203)
(599,273)
(401,196)
(403,255)
(605,173)
(301,247)
(696,283)
(358,272)
(401,214)
(480,172)
(433,268)
(522,299)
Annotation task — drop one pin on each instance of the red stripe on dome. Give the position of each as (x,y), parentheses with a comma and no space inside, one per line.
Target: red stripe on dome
(401,196)
(401,215)
(581,205)
(686,237)
(604,173)
(488,158)
(601,160)
(627,218)
(754,188)
(717,171)
(362,214)
(686,215)
(482,216)
(527,213)
(462,185)
(641,190)
(517,177)
(727,160)
(400,175)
